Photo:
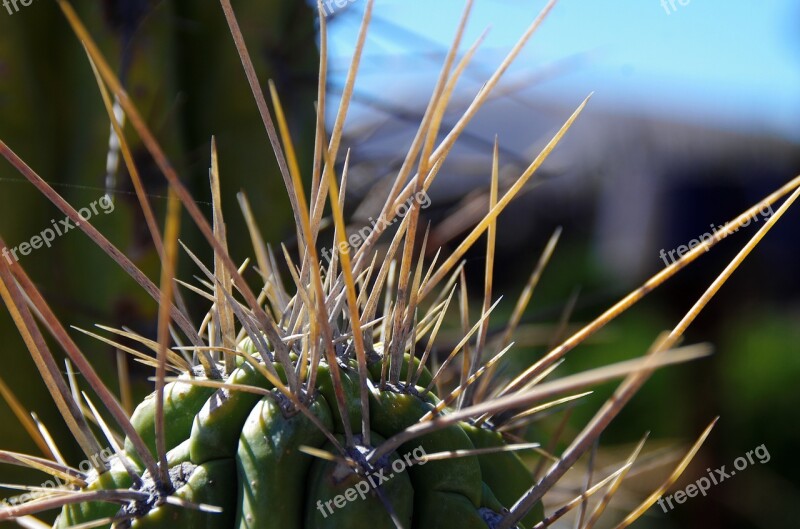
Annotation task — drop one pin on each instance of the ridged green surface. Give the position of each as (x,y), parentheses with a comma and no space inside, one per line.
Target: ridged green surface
(241,452)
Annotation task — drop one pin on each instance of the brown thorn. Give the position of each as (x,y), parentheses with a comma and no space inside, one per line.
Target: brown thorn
(104,244)
(169,172)
(352,299)
(569,383)
(261,103)
(653,283)
(22,416)
(614,486)
(505,200)
(168,267)
(522,303)
(224,316)
(40,353)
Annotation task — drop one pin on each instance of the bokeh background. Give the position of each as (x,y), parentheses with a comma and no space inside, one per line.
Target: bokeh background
(695,116)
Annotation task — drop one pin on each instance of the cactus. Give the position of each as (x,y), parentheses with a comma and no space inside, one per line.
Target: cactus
(316,407)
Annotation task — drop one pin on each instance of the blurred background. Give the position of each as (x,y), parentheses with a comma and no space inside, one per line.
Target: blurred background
(695,117)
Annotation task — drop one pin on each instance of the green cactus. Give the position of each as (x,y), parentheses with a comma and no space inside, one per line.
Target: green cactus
(312,408)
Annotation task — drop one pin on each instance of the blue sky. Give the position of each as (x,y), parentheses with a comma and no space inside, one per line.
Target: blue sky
(729,64)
